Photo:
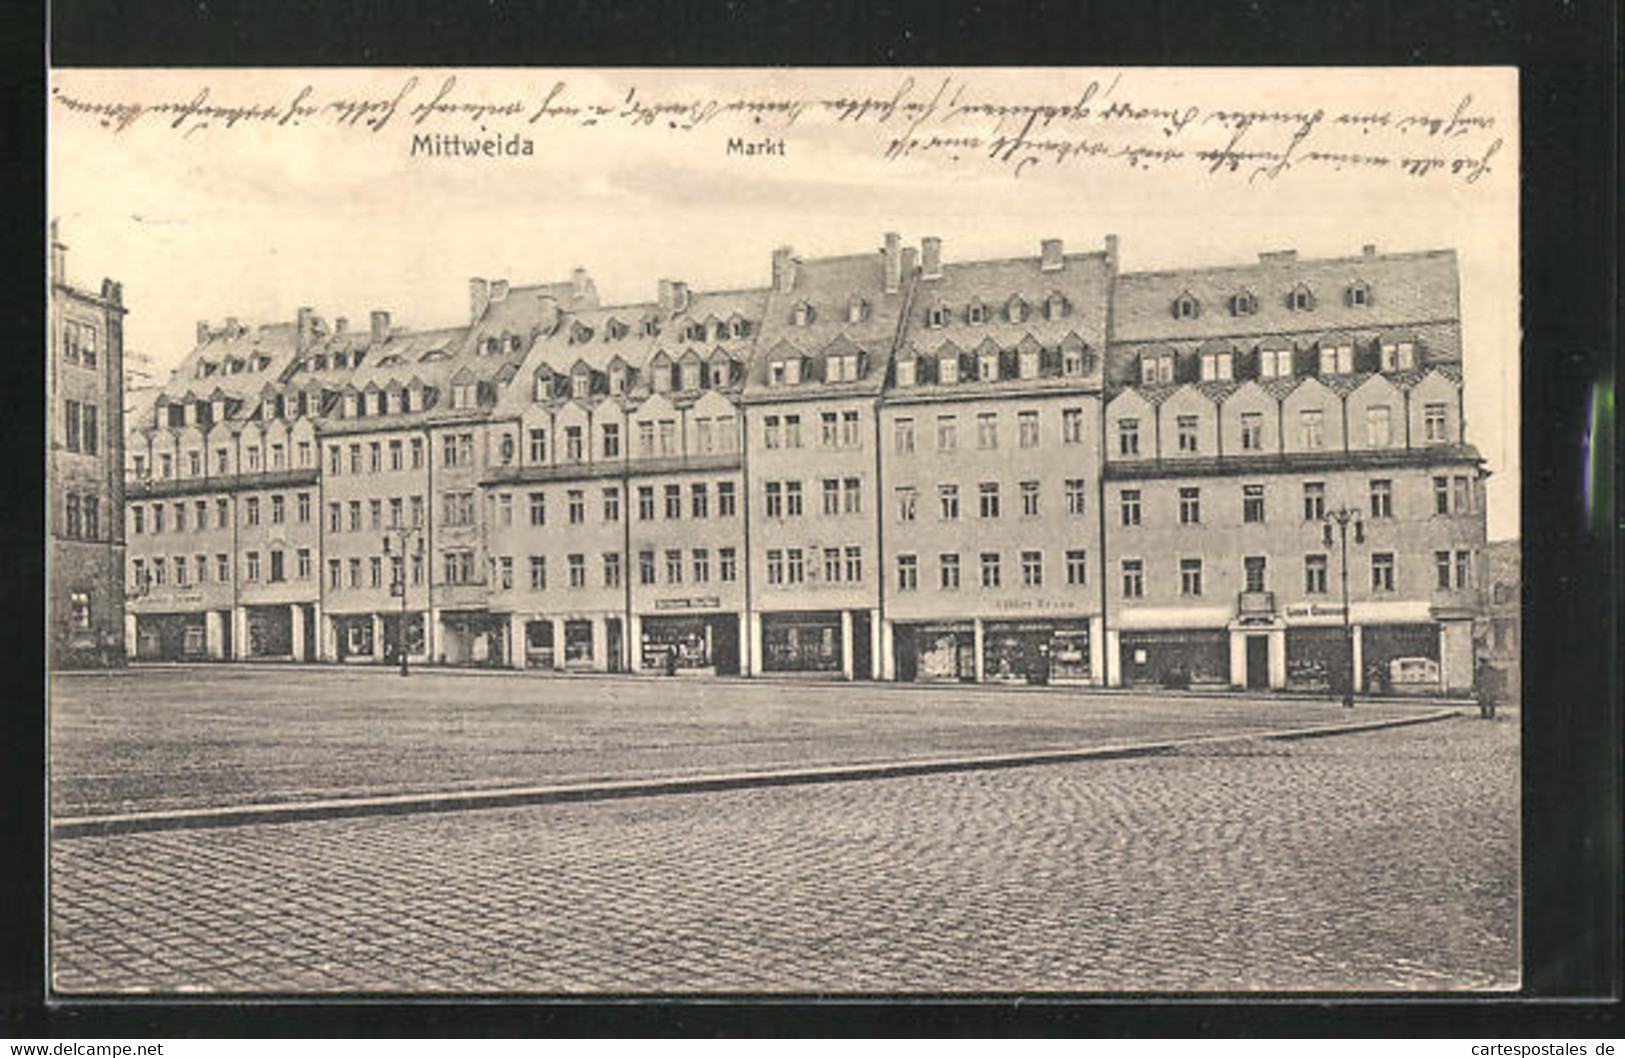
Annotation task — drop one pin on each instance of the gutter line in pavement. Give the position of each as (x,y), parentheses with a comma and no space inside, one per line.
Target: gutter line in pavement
(512,797)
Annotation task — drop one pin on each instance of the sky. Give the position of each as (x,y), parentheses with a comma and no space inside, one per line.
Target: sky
(255,220)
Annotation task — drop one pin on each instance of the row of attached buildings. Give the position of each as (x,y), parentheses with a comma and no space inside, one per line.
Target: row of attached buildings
(889,465)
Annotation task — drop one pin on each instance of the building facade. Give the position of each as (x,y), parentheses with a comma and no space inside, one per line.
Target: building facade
(892,465)
(85,402)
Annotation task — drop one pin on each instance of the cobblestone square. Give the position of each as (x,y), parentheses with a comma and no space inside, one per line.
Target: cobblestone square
(1378,861)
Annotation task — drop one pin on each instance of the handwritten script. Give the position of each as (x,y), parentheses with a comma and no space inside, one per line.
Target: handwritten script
(947,120)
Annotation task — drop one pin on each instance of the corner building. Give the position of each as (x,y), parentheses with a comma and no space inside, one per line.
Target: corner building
(1243,405)
(990,514)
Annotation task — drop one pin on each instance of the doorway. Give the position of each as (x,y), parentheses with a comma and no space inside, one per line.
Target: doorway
(1258,662)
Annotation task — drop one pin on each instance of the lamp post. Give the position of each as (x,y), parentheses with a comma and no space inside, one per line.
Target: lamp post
(399,542)
(1342,518)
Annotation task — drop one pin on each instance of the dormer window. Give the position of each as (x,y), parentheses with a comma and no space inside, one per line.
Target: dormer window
(691,375)
(694,332)
(1028,362)
(1186,307)
(651,327)
(1055,307)
(906,373)
(580,385)
(802,314)
(463,395)
(1301,299)
(948,370)
(580,333)
(856,309)
(1156,368)
(1015,310)
(987,367)
(1243,303)
(513,343)
(775,373)
(937,316)
(493,345)
(792,371)
(341,360)
(1398,356)
(615,331)
(617,379)
(1358,294)
(349,406)
(1336,359)
(1275,363)
(719,375)
(406,400)
(843,368)
(660,376)
(1218,367)
(1071,363)
(740,328)
(976,312)
(541,387)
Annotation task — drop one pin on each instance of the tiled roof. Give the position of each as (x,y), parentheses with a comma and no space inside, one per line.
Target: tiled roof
(827,285)
(1084,282)
(1405,288)
(276,341)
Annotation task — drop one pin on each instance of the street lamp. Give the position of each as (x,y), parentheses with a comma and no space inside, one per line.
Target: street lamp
(399,542)
(1342,518)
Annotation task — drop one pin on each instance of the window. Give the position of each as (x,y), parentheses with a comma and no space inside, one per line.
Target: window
(252,508)
(577,564)
(948,571)
(1029,499)
(1382,498)
(157,518)
(222,513)
(1435,420)
(1336,359)
(1252,573)
(1243,303)
(222,568)
(948,500)
(832,496)
(1218,367)
(1358,295)
(375,456)
(704,436)
(903,437)
(792,431)
(138,519)
(991,576)
(1464,569)
(1314,501)
(1252,431)
(1186,307)
(180,516)
(252,570)
(1075,497)
(1190,506)
(727,565)
(417,510)
(375,570)
(794,570)
(1441,566)
(1185,425)
(1128,436)
(1130,503)
(851,437)
(417,453)
(1378,426)
(948,370)
(1156,368)
(908,572)
(829,434)
(906,373)
(279,509)
(852,495)
(1312,421)
(725,499)
(1300,300)
(646,567)
(832,565)
(770,433)
(792,499)
(1441,495)
(702,565)
(304,564)
(355,516)
(908,499)
(1252,504)
(180,571)
(987,367)
(1190,577)
(1382,572)
(988,499)
(194,462)
(611,433)
(947,433)
(538,508)
(1027,428)
(1315,574)
(775,499)
(457,508)
(1275,363)
(1032,569)
(335,518)
(577,505)
(1462,492)
(1400,356)
(674,501)
(304,509)
(458,566)
(1133,578)
(987,430)
(575,450)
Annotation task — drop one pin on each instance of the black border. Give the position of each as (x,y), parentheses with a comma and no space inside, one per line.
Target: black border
(1569,59)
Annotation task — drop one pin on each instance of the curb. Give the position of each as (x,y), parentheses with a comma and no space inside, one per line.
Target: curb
(470,800)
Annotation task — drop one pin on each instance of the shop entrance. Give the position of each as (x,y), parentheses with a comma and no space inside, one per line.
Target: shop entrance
(862,654)
(1258,662)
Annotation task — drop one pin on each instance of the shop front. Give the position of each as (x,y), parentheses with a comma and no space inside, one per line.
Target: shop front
(1035,652)
(691,643)
(936,653)
(472,637)
(1317,658)
(355,637)
(801,642)
(392,633)
(270,631)
(1400,659)
(171,637)
(1175,657)
(539,644)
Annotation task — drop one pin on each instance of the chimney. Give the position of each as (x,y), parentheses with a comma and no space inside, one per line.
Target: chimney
(579,283)
(233,328)
(665,297)
(1278,257)
(112,292)
(1370,249)
(784,270)
(1050,259)
(1111,252)
(341,325)
(499,290)
(931,257)
(911,260)
(307,327)
(679,295)
(549,314)
(202,332)
(59,256)
(893,262)
(479,298)
(380,327)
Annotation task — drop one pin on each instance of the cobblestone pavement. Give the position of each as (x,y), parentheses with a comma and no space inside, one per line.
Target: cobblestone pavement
(181,738)
(1377,861)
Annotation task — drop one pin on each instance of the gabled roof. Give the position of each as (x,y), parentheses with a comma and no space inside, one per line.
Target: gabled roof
(1083,284)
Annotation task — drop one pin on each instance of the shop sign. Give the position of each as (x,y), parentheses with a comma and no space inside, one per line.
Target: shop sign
(1007,605)
(706,602)
(1317,609)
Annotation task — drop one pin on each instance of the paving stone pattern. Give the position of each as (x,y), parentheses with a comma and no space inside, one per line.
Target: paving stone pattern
(1381,861)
